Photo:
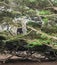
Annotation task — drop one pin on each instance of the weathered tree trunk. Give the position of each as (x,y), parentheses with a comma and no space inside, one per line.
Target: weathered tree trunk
(7,27)
(24,29)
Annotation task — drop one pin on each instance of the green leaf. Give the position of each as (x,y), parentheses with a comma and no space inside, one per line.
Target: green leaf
(32,0)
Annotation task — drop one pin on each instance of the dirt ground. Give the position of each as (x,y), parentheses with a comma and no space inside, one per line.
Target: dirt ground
(27,62)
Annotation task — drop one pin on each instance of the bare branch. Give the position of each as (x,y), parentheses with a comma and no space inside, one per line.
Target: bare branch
(48,15)
(40,32)
(4,4)
(50,3)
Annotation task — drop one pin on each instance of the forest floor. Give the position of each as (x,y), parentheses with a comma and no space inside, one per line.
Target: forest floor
(30,63)
(27,62)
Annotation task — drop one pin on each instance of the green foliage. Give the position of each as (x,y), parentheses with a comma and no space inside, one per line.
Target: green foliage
(6,34)
(47,41)
(54,2)
(31,12)
(32,0)
(39,42)
(35,43)
(33,24)
(43,36)
(51,29)
(45,20)
(44,12)
(27,7)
